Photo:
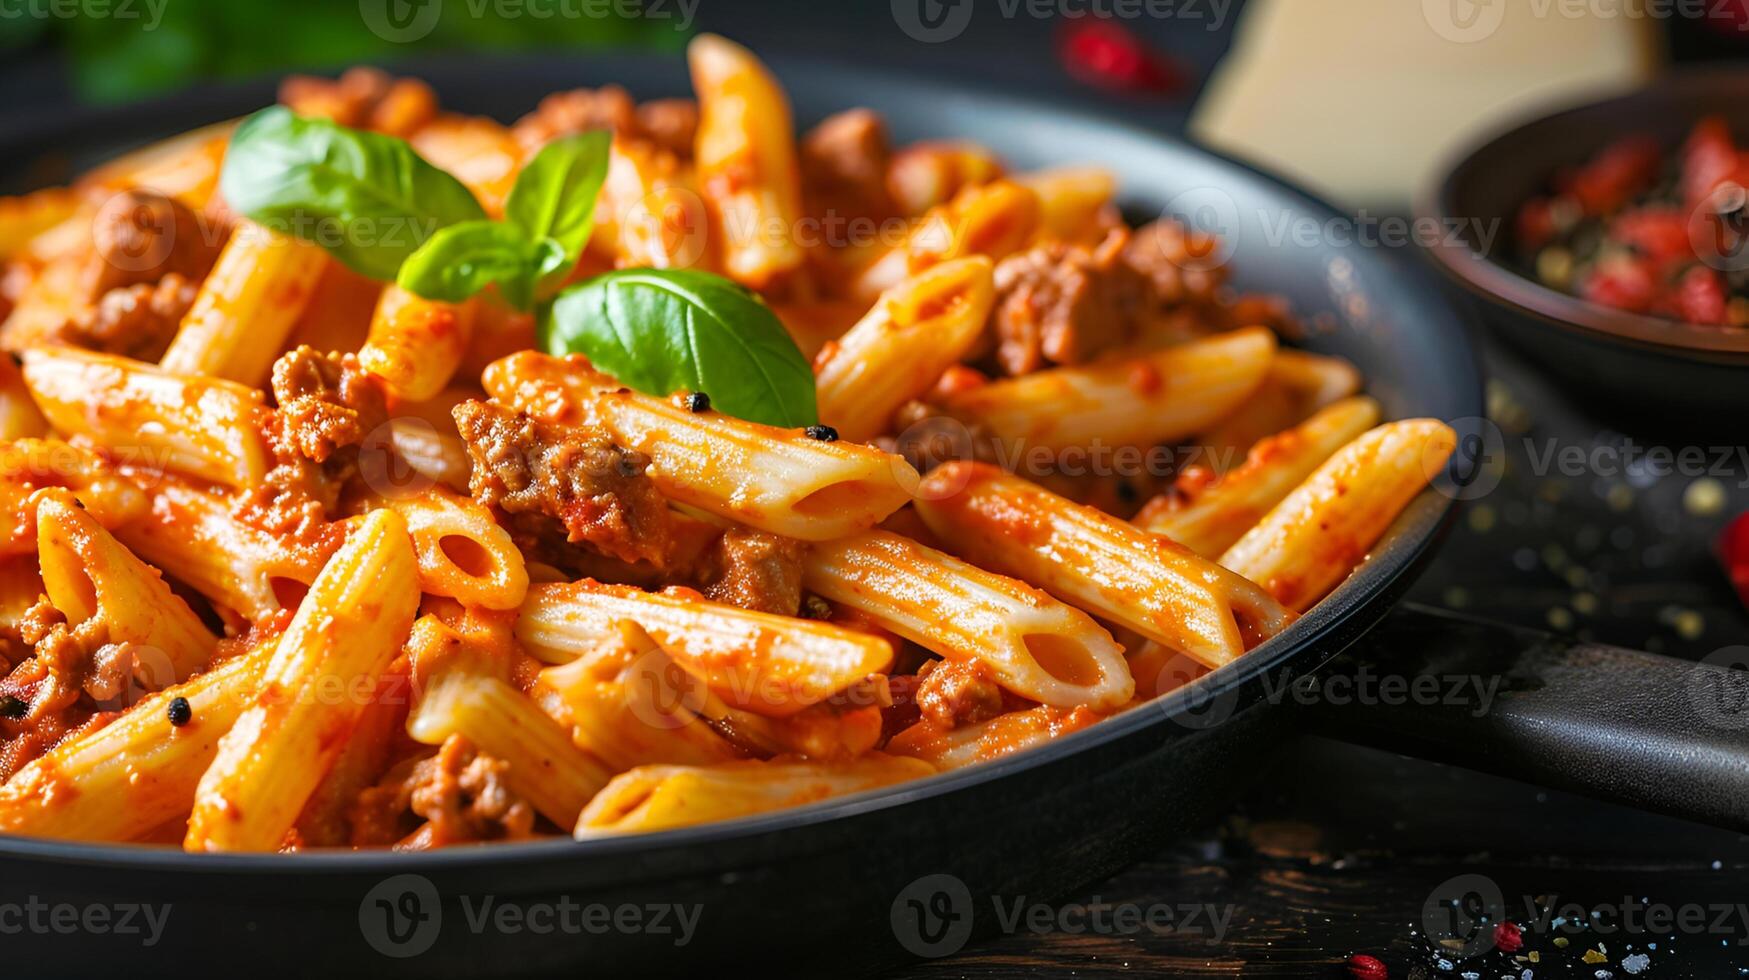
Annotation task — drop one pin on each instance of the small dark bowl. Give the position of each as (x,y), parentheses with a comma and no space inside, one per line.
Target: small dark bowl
(1637,371)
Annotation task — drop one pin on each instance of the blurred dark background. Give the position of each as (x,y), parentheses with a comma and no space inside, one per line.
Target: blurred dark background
(56,52)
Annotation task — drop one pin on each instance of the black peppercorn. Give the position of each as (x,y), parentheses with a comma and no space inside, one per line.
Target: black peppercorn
(13,707)
(179,712)
(698,401)
(824,433)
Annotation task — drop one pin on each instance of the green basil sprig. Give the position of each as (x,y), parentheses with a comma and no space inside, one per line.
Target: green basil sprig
(368,199)
(667,330)
(547,220)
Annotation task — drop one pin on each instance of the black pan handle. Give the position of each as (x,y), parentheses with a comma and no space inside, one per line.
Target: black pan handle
(1622,725)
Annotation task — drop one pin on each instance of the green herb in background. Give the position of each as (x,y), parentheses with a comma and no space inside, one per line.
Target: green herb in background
(163,45)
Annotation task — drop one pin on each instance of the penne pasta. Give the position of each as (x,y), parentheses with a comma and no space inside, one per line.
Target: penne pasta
(19,416)
(1297,385)
(1072,201)
(1100,563)
(247,307)
(772,665)
(415,344)
(89,575)
(993,220)
(462,551)
(125,780)
(1144,400)
(1207,520)
(345,632)
(628,704)
(553,775)
(663,797)
(204,427)
(30,465)
(1034,645)
(746,157)
(777,480)
(916,330)
(1314,538)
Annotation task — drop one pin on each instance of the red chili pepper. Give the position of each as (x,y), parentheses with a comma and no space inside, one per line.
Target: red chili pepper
(1107,54)
(1614,176)
(1508,938)
(1700,296)
(1536,223)
(1660,234)
(1364,967)
(1623,283)
(1734,555)
(1708,157)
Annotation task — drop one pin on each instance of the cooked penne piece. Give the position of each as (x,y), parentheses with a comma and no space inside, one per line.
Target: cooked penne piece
(746,157)
(346,631)
(1072,201)
(1102,564)
(777,480)
(19,416)
(89,575)
(193,533)
(1034,645)
(416,344)
(29,465)
(629,704)
(125,780)
(24,217)
(463,553)
(1297,385)
(994,220)
(1209,519)
(1143,400)
(770,664)
(1315,537)
(205,427)
(324,821)
(1005,734)
(916,330)
(53,295)
(662,797)
(544,768)
(246,307)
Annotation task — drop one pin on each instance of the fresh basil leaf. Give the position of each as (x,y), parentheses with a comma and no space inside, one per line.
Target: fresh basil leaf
(463,259)
(554,195)
(667,330)
(368,199)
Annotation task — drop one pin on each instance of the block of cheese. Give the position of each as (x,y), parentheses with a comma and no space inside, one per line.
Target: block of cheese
(1362,99)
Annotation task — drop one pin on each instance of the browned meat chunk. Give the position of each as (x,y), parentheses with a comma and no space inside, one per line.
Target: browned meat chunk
(844,166)
(1059,303)
(326,402)
(363,98)
(460,792)
(755,570)
(137,321)
(1182,265)
(578,111)
(597,490)
(140,237)
(671,124)
(950,693)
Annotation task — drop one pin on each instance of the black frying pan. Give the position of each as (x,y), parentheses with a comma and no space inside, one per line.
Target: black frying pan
(851,885)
